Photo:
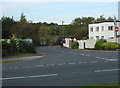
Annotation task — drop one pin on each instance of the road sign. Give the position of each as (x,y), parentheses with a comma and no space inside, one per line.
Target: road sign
(116,29)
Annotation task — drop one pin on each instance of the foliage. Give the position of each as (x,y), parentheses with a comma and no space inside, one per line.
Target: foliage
(6,48)
(75,45)
(22,18)
(26,47)
(84,38)
(110,46)
(99,43)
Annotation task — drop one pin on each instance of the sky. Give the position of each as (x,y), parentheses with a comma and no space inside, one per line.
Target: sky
(57,12)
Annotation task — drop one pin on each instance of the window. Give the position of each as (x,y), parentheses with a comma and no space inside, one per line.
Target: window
(110,28)
(102,28)
(102,37)
(91,29)
(97,28)
(97,37)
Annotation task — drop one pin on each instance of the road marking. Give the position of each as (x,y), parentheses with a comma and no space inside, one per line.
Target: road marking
(112,59)
(26,66)
(72,52)
(88,55)
(50,64)
(38,65)
(71,63)
(10,67)
(62,64)
(82,54)
(37,76)
(98,57)
(107,70)
(93,61)
(15,67)
(62,51)
(103,58)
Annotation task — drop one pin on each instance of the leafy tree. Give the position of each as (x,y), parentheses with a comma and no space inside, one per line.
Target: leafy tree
(7,23)
(23,18)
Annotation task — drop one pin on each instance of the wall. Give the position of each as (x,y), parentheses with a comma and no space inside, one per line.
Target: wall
(106,33)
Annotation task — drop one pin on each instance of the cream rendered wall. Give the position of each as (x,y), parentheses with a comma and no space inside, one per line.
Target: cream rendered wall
(106,33)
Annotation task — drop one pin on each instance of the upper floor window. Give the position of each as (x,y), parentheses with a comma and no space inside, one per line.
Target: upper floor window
(110,28)
(97,28)
(102,28)
(91,29)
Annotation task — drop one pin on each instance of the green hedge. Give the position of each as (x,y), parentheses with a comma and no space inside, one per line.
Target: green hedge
(75,45)
(98,45)
(110,46)
(26,47)
(14,47)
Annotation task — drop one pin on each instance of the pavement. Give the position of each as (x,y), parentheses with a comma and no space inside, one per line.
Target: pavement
(62,67)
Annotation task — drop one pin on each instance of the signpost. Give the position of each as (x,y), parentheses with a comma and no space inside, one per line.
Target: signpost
(116,29)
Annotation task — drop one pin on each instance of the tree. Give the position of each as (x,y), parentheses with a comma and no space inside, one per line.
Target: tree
(22,18)
(7,23)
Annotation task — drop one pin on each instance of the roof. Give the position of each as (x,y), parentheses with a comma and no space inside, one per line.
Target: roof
(104,21)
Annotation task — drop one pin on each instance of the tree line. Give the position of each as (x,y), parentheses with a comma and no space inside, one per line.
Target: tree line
(47,33)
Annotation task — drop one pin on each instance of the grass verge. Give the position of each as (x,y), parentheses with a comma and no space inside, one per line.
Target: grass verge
(10,61)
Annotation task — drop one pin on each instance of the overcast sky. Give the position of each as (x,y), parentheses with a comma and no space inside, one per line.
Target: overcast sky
(55,11)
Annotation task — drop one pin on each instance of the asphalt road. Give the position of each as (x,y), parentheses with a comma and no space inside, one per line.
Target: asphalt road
(63,67)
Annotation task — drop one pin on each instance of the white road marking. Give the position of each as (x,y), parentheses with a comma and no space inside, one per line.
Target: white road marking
(39,65)
(10,67)
(26,66)
(103,58)
(15,67)
(107,70)
(71,63)
(62,64)
(93,61)
(50,64)
(72,52)
(112,59)
(82,54)
(87,55)
(98,57)
(37,76)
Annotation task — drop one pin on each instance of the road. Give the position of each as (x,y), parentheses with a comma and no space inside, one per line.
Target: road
(63,67)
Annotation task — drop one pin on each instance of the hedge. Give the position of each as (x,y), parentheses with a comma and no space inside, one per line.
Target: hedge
(99,43)
(75,45)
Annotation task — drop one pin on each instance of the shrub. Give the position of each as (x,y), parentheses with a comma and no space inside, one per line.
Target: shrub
(6,48)
(110,46)
(84,38)
(13,44)
(99,43)
(75,45)
(26,47)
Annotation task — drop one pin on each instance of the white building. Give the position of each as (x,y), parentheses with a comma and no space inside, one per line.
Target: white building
(119,10)
(103,30)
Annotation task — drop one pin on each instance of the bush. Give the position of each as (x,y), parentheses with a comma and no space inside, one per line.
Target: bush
(110,46)
(84,38)
(26,47)
(99,43)
(75,45)
(6,48)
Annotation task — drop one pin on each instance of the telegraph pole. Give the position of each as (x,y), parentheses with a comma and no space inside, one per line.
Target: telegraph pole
(115,25)
(62,29)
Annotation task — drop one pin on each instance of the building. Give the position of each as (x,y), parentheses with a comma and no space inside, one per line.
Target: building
(103,30)
(119,10)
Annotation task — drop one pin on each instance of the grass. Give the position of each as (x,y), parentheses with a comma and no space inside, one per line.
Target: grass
(10,61)
(30,54)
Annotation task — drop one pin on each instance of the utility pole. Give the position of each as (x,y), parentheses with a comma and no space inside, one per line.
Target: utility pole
(62,29)
(115,25)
